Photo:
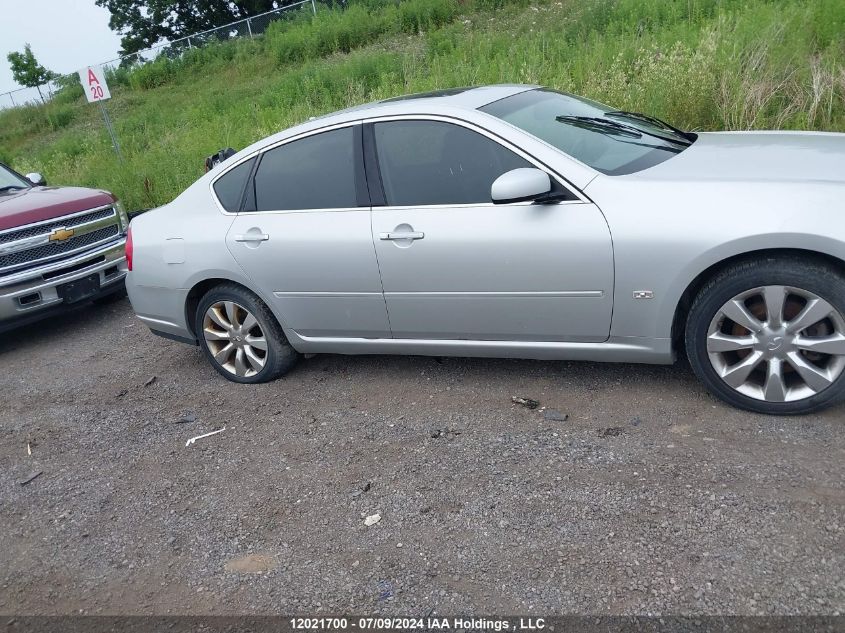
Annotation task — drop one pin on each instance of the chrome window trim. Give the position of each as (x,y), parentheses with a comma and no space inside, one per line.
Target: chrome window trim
(582,199)
(267,148)
(470,205)
(287,211)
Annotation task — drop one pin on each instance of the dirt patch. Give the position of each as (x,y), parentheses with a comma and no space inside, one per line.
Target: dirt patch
(252,564)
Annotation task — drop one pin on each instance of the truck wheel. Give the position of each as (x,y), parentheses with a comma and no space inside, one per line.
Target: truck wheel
(769,336)
(240,336)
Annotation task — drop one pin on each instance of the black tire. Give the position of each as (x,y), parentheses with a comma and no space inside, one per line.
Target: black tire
(806,274)
(280,356)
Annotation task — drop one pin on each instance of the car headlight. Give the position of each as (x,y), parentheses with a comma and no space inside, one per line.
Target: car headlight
(121,213)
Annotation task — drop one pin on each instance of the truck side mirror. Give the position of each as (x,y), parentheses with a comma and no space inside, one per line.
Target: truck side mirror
(36,179)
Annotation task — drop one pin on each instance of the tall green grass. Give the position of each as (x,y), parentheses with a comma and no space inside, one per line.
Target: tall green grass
(702,64)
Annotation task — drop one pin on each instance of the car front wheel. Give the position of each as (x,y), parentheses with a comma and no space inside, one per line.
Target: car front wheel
(769,336)
(240,336)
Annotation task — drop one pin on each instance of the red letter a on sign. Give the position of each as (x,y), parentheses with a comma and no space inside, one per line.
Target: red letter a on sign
(92,78)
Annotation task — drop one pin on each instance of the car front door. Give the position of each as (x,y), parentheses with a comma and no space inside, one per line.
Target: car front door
(456,266)
(304,236)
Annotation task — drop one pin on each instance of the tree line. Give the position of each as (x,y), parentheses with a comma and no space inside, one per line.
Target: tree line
(144,23)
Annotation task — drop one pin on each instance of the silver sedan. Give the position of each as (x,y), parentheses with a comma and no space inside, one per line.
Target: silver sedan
(512,221)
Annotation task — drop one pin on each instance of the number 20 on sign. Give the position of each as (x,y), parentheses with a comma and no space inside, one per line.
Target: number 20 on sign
(93,79)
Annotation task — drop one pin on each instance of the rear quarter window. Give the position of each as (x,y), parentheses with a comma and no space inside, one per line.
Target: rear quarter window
(316,172)
(229,188)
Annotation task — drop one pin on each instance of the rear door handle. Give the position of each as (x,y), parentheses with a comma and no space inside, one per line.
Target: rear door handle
(252,237)
(403,235)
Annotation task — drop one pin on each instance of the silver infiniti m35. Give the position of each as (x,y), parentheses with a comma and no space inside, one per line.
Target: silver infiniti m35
(512,221)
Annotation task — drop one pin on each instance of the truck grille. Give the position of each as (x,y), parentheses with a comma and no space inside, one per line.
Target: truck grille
(31,231)
(57,248)
(92,228)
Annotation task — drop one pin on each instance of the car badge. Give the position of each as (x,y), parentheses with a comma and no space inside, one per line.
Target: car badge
(61,234)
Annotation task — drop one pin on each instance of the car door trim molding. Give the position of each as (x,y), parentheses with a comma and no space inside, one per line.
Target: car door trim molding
(517,294)
(284,294)
(620,349)
(371,158)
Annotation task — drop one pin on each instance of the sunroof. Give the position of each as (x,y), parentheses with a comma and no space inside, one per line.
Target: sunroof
(449,92)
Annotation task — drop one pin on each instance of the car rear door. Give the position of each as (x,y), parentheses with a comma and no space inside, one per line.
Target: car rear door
(456,266)
(304,236)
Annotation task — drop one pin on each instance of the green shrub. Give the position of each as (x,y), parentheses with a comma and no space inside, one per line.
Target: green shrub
(421,15)
(152,74)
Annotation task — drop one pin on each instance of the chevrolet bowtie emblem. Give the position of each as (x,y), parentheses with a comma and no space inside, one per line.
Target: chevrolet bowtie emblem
(60,235)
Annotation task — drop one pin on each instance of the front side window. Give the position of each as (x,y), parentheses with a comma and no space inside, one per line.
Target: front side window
(230,186)
(316,172)
(611,141)
(432,162)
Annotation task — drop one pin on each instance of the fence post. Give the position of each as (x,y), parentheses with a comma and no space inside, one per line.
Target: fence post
(189,43)
(14,105)
(249,28)
(314,7)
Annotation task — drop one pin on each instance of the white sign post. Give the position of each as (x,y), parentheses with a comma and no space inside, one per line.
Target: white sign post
(93,81)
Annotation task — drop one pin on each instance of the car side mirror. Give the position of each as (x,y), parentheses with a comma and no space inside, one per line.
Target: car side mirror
(36,179)
(520,185)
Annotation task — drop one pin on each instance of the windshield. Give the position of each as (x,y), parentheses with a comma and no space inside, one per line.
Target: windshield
(611,141)
(10,181)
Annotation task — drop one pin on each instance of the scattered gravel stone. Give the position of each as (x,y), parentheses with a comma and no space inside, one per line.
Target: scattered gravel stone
(372,519)
(447,433)
(32,478)
(525,402)
(555,416)
(359,491)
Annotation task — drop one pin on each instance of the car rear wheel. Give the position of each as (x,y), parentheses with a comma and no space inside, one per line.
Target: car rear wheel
(240,336)
(769,336)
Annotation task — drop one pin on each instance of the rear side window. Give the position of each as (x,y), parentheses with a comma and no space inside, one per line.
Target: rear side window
(317,172)
(230,186)
(432,162)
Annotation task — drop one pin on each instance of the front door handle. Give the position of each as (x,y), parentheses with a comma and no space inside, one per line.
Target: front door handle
(252,237)
(402,235)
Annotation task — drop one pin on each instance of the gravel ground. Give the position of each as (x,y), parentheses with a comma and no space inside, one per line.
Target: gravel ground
(650,498)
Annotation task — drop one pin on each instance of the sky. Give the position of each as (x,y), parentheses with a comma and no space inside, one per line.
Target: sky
(65,35)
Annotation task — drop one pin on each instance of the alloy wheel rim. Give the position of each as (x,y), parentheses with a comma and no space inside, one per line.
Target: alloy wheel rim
(235,338)
(777,343)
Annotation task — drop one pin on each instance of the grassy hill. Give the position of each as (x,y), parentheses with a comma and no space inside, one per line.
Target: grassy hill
(701,64)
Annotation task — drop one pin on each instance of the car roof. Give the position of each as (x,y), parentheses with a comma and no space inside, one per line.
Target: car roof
(470,98)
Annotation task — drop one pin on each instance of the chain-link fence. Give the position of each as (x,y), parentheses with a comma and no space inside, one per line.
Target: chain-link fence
(248,27)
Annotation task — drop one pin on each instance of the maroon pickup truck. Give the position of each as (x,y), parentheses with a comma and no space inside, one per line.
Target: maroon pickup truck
(59,246)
